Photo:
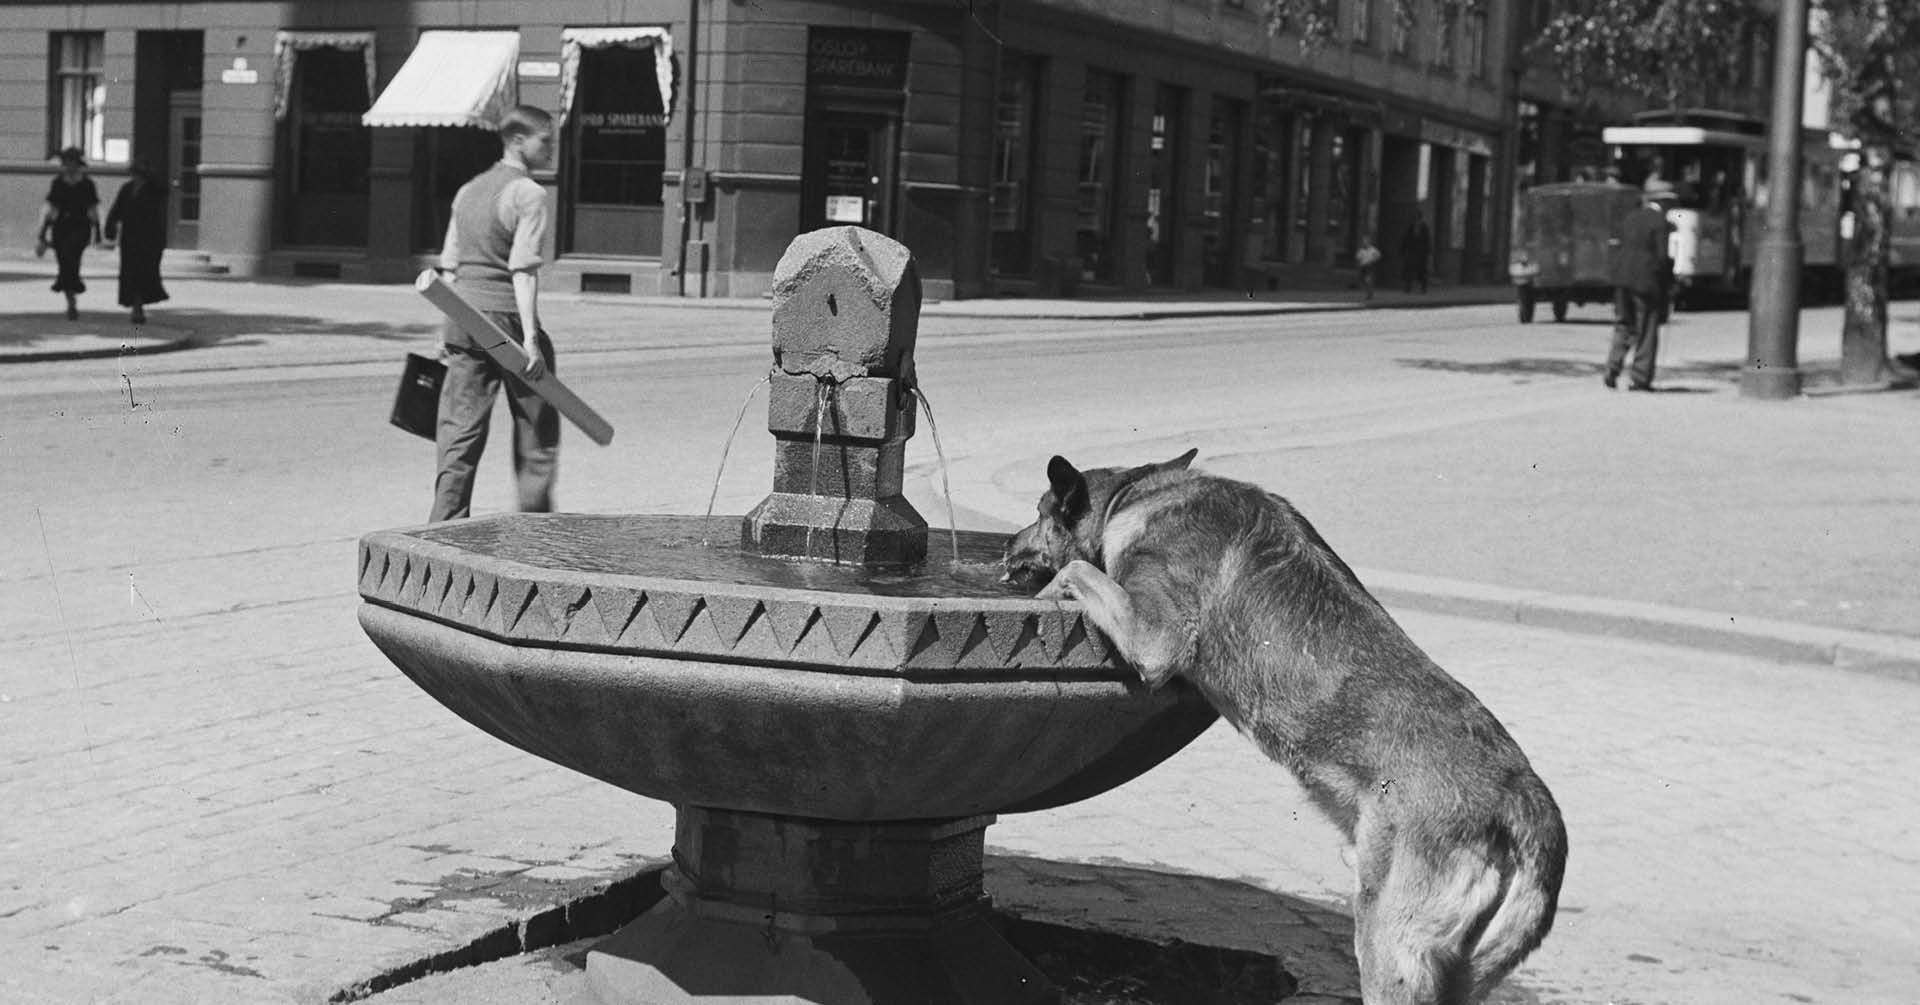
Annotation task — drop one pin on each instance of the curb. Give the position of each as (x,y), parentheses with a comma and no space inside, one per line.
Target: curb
(123,349)
(1091,311)
(1892,656)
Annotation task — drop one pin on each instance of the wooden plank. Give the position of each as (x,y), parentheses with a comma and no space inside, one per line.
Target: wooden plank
(511,357)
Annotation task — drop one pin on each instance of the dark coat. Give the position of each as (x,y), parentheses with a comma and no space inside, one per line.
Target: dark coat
(1640,261)
(139,220)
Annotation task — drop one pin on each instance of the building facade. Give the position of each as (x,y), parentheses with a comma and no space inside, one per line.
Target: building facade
(1019,147)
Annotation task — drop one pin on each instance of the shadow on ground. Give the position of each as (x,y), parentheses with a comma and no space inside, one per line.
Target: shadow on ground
(215,328)
(203,327)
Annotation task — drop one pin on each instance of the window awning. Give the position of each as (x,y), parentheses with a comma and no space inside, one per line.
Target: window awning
(287,46)
(453,78)
(572,40)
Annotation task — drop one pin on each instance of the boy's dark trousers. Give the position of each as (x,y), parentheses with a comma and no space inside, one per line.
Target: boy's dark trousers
(466,410)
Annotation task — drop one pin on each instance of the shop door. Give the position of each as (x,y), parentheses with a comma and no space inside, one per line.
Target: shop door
(183,167)
(849,172)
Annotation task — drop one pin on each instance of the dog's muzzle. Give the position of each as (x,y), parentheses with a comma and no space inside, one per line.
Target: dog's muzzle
(1026,566)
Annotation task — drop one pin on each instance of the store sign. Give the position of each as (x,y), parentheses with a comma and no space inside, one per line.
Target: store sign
(846,209)
(538,69)
(239,73)
(622,120)
(847,57)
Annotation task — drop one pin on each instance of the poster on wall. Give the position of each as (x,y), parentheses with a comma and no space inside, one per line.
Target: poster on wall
(846,209)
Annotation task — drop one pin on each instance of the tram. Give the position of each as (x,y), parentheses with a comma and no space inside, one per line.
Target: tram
(1717,161)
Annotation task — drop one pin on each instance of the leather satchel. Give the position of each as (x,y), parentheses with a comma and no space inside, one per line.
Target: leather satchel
(416,406)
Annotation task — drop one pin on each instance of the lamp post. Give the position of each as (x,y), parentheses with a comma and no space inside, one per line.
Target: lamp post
(1773,328)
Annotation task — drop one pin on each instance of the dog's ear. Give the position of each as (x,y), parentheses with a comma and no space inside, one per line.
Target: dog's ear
(1069,487)
(1182,462)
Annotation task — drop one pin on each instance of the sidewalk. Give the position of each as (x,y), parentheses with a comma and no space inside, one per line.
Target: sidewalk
(37,332)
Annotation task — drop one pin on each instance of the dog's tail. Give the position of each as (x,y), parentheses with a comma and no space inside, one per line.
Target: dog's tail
(1537,849)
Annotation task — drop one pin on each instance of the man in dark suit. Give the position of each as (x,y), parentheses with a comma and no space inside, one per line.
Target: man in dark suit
(1642,272)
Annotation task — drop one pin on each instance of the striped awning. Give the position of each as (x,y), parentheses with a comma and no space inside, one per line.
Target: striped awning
(572,40)
(287,46)
(453,78)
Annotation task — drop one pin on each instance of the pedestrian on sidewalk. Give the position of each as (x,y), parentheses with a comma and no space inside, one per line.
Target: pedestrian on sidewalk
(1642,279)
(69,222)
(1364,259)
(138,223)
(493,255)
(1416,247)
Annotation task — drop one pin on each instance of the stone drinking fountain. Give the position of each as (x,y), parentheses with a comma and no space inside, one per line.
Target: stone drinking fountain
(836,716)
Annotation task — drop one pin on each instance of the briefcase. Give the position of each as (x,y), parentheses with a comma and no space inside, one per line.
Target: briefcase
(416,406)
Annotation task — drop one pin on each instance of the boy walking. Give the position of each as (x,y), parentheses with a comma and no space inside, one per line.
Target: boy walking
(493,254)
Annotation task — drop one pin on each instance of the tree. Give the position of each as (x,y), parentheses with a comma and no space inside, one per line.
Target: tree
(1677,52)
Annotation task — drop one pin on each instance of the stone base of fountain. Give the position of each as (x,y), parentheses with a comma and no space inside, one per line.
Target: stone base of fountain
(763,908)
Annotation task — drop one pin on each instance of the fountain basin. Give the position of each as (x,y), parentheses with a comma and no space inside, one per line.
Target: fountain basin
(624,648)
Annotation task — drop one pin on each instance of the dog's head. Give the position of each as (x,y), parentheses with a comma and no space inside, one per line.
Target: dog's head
(1073,516)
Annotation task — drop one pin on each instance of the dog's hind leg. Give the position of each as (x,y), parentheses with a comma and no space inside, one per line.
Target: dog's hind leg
(1144,627)
(1418,911)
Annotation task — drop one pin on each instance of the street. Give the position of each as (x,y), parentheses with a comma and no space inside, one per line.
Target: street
(221,791)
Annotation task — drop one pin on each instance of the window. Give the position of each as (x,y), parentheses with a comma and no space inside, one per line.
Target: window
(1405,19)
(620,139)
(1363,22)
(1476,42)
(1099,168)
(1016,108)
(1164,147)
(325,150)
(1443,36)
(78,95)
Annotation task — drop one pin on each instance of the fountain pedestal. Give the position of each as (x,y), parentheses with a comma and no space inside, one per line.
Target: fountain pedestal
(835,736)
(761,906)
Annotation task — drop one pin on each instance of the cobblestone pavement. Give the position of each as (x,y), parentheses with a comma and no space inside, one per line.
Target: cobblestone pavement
(219,791)
(211,825)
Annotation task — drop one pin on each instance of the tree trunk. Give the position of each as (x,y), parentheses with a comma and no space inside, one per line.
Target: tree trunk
(1863,335)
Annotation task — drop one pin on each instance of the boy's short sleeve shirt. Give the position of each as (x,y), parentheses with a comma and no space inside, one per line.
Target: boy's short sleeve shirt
(523,208)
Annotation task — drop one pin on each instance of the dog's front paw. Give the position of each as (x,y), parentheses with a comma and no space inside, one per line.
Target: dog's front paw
(1066,583)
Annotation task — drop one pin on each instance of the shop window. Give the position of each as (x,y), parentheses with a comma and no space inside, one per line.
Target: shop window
(618,151)
(327,149)
(1220,205)
(1099,169)
(1348,151)
(77,95)
(445,158)
(1304,125)
(1016,109)
(1163,182)
(1271,162)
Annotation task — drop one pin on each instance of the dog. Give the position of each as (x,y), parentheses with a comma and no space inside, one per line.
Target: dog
(1459,848)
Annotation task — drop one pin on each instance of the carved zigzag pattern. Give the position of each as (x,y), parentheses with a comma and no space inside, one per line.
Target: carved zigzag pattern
(779,629)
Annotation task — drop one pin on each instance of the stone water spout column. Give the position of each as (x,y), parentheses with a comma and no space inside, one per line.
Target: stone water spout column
(846,308)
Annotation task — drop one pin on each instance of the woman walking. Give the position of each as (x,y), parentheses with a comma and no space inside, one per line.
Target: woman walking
(138,221)
(70,222)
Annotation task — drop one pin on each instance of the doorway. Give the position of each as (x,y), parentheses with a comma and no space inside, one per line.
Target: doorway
(183,170)
(167,68)
(849,169)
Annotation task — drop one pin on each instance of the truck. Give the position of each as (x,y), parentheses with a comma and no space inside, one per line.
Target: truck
(1565,251)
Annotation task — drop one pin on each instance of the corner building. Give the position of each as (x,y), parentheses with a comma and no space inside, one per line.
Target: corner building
(1025,147)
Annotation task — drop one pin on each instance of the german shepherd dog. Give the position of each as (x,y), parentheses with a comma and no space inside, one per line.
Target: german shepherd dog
(1458,846)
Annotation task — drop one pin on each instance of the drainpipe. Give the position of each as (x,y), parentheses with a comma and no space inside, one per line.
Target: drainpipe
(689,59)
